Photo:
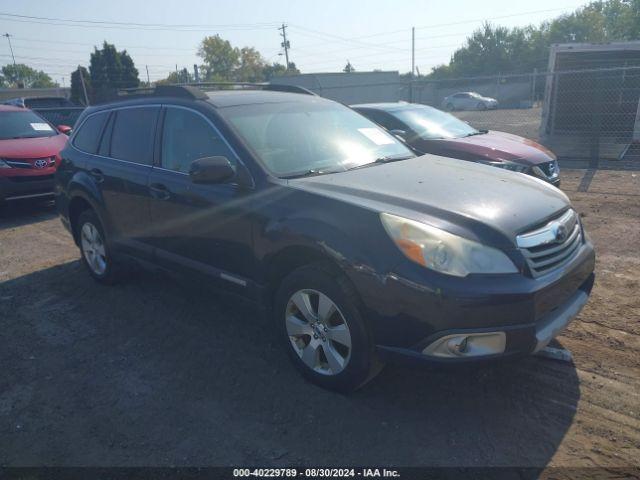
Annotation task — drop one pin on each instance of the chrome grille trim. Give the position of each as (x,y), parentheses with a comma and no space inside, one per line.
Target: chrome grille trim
(542,249)
(28,162)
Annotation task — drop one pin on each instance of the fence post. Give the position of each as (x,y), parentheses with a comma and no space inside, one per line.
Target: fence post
(596,120)
(533,86)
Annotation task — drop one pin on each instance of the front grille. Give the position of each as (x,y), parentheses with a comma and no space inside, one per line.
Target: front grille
(29,162)
(552,245)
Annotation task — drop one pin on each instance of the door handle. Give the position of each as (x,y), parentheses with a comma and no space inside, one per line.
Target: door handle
(159,191)
(97,174)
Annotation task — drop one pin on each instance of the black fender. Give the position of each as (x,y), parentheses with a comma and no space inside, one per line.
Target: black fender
(83,186)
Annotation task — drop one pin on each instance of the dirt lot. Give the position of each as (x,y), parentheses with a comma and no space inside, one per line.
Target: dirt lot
(159,372)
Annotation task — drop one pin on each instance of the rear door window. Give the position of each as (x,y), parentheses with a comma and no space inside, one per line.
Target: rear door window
(132,135)
(88,136)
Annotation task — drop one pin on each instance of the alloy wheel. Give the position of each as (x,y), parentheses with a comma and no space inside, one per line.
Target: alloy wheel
(318,332)
(93,248)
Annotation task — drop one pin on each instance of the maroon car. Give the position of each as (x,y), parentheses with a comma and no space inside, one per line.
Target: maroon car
(429,130)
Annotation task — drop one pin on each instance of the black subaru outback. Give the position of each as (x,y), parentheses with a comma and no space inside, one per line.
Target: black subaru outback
(360,251)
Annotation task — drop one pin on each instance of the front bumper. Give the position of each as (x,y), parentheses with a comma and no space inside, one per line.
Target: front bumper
(410,314)
(26,187)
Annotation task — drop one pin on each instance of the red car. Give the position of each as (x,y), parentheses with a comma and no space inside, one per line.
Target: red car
(429,130)
(29,146)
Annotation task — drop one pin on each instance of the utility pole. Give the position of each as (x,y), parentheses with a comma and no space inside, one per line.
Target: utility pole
(84,88)
(13,57)
(413,62)
(413,51)
(196,74)
(285,43)
(148,81)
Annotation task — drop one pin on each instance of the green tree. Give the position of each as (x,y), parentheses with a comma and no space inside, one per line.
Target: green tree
(251,66)
(181,76)
(220,58)
(348,68)
(111,70)
(278,70)
(23,76)
(490,50)
(77,93)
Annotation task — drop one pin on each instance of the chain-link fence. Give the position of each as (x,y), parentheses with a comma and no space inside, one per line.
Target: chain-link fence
(583,114)
(60,115)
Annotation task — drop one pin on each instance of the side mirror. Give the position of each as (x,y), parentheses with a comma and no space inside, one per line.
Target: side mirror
(66,129)
(401,134)
(211,170)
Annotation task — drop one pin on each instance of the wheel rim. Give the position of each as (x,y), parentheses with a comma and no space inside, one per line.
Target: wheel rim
(93,248)
(318,332)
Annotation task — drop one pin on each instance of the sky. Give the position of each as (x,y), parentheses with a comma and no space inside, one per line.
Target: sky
(323,35)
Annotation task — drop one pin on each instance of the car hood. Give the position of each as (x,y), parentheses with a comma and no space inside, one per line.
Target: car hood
(492,146)
(32,147)
(461,197)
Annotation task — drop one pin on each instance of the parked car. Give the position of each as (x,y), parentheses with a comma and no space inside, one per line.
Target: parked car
(429,130)
(40,102)
(468,101)
(360,251)
(28,149)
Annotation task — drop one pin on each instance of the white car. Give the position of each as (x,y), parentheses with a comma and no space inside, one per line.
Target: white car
(468,101)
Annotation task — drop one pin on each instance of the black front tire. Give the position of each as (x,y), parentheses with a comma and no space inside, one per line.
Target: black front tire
(111,274)
(363,364)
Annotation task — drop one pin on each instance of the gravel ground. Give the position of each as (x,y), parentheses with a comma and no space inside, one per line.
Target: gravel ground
(160,372)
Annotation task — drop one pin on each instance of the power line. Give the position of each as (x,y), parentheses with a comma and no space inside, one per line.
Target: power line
(139,25)
(94,45)
(521,14)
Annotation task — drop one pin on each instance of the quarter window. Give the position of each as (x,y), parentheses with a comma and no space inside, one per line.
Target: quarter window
(132,136)
(187,137)
(88,136)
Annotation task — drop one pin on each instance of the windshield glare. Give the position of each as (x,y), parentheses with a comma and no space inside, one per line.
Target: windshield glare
(24,124)
(432,124)
(296,138)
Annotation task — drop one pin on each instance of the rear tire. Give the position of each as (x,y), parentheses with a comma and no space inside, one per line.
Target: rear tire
(326,337)
(450,107)
(94,249)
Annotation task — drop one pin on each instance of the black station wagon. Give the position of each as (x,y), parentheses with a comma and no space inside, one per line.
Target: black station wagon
(360,251)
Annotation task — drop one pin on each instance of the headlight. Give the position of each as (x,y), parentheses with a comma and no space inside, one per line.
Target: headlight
(552,172)
(4,164)
(513,167)
(442,251)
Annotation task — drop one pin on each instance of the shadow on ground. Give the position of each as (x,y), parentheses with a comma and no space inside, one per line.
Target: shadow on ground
(18,213)
(159,372)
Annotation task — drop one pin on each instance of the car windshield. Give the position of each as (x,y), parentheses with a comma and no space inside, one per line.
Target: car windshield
(312,137)
(23,124)
(431,124)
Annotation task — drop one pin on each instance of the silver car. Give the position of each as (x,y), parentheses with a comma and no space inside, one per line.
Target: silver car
(468,101)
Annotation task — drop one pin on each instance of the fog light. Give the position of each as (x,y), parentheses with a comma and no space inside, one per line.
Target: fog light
(467,345)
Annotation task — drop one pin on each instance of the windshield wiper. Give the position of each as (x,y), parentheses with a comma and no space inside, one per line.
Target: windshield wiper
(309,173)
(479,132)
(387,159)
